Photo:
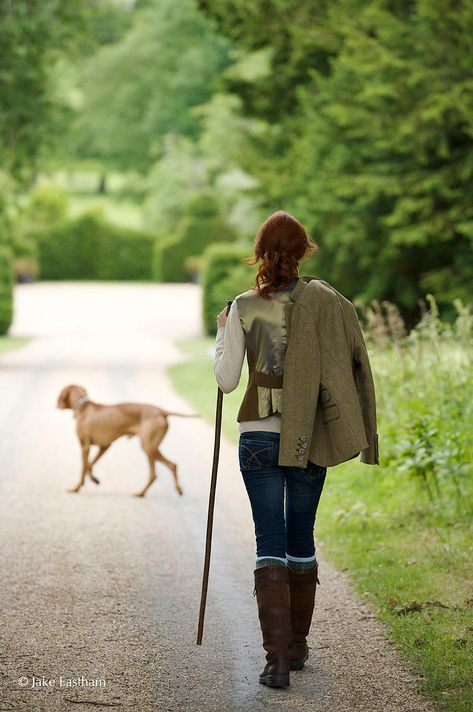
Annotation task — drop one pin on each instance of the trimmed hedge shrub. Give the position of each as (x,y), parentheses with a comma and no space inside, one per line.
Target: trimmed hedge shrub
(6,289)
(201,226)
(194,234)
(224,276)
(89,247)
(158,245)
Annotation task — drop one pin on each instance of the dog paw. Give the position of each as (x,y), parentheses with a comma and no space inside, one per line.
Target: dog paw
(180,491)
(139,494)
(73,490)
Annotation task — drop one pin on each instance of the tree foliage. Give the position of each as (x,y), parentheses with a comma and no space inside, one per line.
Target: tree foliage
(374,151)
(298,36)
(33,34)
(143,87)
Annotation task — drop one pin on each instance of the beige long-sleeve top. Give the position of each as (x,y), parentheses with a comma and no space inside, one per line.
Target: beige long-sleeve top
(229,356)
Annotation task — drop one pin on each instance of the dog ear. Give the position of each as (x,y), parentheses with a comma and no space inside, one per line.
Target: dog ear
(63,400)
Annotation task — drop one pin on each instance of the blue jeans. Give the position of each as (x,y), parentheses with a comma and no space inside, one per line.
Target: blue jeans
(281,527)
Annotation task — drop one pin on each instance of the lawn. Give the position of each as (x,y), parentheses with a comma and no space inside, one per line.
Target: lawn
(12,342)
(402,531)
(121,203)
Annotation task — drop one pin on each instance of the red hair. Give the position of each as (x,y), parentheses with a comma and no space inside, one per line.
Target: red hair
(281,243)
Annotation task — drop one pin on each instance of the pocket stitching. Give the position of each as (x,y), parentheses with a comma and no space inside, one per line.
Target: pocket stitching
(253,455)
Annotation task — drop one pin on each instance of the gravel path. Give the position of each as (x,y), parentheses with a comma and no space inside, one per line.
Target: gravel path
(102,587)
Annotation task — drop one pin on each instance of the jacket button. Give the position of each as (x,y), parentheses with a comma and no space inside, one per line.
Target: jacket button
(300,457)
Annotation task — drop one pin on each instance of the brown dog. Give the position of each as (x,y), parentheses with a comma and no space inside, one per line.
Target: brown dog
(103,424)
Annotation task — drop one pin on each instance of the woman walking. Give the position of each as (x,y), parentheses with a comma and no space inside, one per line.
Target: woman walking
(289,427)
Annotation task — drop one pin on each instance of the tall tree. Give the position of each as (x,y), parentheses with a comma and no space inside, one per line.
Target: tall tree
(298,36)
(33,33)
(370,142)
(384,154)
(136,91)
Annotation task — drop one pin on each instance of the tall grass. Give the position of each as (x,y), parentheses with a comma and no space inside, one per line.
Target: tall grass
(425,398)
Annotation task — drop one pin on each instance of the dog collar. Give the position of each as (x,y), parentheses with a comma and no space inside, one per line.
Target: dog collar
(81,402)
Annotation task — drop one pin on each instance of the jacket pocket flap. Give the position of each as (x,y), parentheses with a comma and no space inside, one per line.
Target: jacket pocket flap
(330,412)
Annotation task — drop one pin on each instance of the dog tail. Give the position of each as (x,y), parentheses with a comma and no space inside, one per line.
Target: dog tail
(183,415)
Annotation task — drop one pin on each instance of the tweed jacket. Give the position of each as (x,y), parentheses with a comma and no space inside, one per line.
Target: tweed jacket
(328,395)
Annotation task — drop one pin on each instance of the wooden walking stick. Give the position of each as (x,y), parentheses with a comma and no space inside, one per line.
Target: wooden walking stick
(210,514)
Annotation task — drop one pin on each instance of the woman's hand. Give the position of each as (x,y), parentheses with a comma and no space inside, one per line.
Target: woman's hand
(222,318)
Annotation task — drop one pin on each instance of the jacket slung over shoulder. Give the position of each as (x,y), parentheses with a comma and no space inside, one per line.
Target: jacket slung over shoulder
(328,394)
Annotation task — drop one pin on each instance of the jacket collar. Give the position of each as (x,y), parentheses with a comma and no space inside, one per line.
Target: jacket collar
(302,282)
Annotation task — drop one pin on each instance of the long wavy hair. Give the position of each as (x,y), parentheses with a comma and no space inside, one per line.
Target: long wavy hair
(280,244)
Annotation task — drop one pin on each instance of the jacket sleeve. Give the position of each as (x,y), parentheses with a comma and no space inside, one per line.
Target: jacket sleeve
(365,387)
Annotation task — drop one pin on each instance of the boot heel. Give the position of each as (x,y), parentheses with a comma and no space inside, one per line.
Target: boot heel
(275,680)
(298,661)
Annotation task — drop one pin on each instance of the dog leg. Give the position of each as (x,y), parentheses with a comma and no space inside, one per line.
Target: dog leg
(85,467)
(101,451)
(172,466)
(152,476)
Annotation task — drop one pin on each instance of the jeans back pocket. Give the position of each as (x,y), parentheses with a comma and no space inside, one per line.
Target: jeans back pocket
(256,453)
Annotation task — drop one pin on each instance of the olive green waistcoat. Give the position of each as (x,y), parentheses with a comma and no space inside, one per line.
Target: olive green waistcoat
(265,323)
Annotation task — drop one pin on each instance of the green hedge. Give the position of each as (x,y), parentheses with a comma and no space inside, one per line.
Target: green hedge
(88,247)
(158,247)
(224,275)
(194,234)
(6,289)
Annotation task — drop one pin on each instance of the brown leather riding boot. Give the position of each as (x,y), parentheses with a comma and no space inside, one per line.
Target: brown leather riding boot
(274,611)
(303,585)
